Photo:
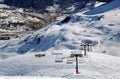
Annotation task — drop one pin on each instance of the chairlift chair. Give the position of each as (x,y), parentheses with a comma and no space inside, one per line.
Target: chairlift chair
(80,61)
(57,52)
(58,60)
(70,61)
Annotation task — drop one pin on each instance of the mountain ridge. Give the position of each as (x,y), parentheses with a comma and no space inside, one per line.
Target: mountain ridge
(41,5)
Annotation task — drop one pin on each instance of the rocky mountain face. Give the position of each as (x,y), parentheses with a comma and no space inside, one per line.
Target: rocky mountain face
(58,5)
(104,0)
(43,4)
(35,20)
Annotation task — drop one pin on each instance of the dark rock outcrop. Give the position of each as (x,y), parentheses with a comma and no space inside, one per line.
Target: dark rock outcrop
(42,4)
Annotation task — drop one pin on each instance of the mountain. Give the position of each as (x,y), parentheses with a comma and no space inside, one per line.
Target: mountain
(99,29)
(14,19)
(61,6)
(43,4)
(98,26)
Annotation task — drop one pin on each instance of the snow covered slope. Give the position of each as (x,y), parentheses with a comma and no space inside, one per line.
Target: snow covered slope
(102,30)
(3,6)
(111,6)
(95,66)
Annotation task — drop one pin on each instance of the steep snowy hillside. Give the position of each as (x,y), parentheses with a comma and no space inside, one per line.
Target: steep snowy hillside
(111,6)
(99,27)
(102,30)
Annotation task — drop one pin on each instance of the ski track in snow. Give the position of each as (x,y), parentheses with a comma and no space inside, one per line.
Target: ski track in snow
(94,66)
(109,67)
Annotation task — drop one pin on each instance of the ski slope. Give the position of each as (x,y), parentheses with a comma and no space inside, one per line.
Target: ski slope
(94,66)
(99,26)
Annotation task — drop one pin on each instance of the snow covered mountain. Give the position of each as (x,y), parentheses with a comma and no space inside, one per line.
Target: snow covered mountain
(99,26)
(18,19)
(43,4)
(64,6)
(100,29)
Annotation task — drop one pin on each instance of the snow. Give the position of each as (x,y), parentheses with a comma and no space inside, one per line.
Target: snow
(103,66)
(51,9)
(20,10)
(3,5)
(111,6)
(34,19)
(97,4)
(99,26)
(3,15)
(23,77)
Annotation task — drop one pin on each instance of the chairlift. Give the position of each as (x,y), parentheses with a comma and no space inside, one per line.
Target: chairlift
(57,52)
(70,61)
(80,61)
(58,60)
(73,55)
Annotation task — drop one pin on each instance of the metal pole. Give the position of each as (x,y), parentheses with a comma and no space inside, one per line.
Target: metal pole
(77,72)
(84,45)
(91,48)
(88,48)
(84,50)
